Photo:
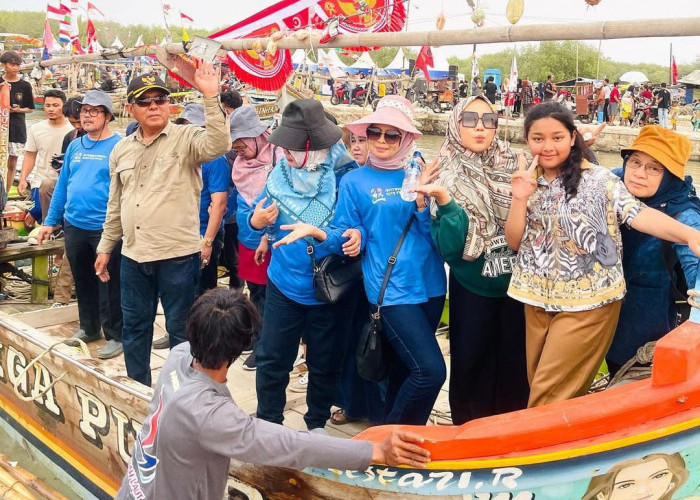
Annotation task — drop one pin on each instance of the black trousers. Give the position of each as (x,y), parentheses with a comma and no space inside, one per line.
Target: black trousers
(257,297)
(488,373)
(99,304)
(229,254)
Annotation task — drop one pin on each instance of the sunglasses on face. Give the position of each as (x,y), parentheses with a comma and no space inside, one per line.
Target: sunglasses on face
(390,136)
(144,102)
(470,119)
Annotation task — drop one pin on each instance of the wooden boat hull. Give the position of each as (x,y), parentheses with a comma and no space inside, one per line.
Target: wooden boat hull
(87,421)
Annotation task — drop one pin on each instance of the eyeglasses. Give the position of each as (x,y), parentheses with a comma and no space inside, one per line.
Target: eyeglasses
(144,102)
(470,119)
(240,150)
(651,169)
(390,136)
(91,111)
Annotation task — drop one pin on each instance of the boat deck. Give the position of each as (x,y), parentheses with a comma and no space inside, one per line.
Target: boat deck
(63,322)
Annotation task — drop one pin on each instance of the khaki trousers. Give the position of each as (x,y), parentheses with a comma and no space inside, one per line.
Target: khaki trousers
(565,349)
(63,289)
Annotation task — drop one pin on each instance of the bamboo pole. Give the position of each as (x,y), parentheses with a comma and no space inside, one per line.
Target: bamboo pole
(606,30)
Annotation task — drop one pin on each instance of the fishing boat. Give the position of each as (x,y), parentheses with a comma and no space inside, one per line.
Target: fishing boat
(83,414)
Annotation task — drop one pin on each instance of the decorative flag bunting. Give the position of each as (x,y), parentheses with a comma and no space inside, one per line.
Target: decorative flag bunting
(93,12)
(185,17)
(425,59)
(269,72)
(57,13)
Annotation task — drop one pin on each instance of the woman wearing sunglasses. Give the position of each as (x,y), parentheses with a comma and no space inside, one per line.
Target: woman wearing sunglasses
(654,172)
(471,199)
(369,200)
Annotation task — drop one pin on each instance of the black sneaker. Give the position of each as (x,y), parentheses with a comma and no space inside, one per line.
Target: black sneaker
(249,364)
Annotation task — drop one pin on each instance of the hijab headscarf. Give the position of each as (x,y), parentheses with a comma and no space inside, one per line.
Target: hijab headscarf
(249,176)
(479,183)
(305,195)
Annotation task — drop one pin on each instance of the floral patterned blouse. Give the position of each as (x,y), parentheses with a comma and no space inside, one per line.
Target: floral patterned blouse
(570,257)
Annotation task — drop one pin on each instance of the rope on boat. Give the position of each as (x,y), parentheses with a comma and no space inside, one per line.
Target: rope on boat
(20,376)
(692,295)
(629,372)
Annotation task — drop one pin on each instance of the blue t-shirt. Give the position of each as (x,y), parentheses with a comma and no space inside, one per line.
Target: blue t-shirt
(247,236)
(369,200)
(82,189)
(215,179)
(231,206)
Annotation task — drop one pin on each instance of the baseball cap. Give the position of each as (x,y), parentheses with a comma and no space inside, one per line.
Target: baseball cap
(141,83)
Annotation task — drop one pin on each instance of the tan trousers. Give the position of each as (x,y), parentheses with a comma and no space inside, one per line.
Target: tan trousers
(565,349)
(63,288)
(45,194)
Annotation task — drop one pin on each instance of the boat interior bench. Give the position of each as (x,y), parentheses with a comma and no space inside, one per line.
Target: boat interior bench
(40,264)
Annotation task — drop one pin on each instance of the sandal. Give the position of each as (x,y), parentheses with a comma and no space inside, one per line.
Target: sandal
(339,417)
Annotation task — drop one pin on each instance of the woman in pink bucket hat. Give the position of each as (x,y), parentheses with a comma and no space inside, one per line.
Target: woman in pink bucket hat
(369,200)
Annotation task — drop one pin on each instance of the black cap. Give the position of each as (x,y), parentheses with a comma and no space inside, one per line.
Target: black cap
(141,83)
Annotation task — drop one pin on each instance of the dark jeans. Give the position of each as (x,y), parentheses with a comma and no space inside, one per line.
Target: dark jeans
(230,254)
(284,324)
(359,398)
(99,304)
(418,372)
(175,281)
(488,373)
(257,297)
(209,274)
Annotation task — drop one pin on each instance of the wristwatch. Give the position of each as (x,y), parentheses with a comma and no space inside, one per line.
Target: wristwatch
(207,242)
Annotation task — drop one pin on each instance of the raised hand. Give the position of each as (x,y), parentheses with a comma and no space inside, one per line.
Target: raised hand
(206,79)
(429,172)
(523,181)
(438,192)
(264,216)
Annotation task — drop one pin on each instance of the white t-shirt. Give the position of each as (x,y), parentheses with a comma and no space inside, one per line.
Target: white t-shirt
(607,90)
(45,141)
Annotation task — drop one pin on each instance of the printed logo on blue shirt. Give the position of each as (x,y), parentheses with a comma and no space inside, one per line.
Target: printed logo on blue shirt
(377,195)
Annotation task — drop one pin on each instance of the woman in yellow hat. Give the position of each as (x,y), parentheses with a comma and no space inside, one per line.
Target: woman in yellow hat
(654,172)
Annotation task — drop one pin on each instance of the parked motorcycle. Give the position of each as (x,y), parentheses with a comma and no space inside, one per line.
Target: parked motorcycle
(342,96)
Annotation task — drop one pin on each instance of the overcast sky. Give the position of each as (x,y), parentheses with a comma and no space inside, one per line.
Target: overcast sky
(211,14)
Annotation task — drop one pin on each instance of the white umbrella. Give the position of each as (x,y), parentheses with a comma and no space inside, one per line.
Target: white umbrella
(634,77)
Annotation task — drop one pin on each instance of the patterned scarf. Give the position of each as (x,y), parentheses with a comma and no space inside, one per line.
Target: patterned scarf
(305,195)
(479,183)
(249,176)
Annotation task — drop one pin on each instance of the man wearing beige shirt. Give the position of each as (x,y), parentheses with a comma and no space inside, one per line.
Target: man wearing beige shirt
(154,206)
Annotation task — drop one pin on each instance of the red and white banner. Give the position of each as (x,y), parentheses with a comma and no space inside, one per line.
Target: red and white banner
(93,12)
(185,17)
(57,13)
(269,72)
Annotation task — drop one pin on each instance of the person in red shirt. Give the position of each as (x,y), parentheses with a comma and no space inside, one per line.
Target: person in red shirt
(614,105)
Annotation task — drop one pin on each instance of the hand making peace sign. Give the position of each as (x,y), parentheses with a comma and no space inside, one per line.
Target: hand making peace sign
(523,181)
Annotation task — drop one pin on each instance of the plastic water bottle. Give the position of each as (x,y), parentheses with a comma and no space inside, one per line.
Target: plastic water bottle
(411,178)
(271,233)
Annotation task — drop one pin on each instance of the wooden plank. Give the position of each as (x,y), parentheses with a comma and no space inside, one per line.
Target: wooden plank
(47,317)
(40,278)
(19,251)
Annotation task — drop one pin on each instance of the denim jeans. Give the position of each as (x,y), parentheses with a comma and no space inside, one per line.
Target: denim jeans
(418,370)
(99,304)
(175,281)
(257,297)
(663,117)
(210,273)
(285,322)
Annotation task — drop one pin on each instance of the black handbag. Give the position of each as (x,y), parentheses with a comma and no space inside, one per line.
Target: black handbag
(334,276)
(372,348)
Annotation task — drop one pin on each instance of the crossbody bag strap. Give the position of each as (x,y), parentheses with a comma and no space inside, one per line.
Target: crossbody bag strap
(391,262)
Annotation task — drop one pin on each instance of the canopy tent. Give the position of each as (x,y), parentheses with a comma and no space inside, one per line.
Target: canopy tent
(634,77)
(397,66)
(329,61)
(574,81)
(364,63)
(117,43)
(441,68)
(300,59)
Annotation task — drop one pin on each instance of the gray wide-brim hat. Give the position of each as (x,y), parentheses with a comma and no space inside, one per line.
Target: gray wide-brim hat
(98,98)
(193,113)
(304,127)
(245,123)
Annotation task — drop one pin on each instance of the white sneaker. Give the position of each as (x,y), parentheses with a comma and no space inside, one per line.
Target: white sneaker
(300,385)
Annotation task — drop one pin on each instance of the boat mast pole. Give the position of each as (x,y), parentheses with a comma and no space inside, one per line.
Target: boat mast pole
(607,30)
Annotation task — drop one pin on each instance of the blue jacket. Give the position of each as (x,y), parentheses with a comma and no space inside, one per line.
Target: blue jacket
(648,311)
(369,200)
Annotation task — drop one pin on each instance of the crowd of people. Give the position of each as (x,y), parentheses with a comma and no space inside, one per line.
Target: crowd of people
(534,243)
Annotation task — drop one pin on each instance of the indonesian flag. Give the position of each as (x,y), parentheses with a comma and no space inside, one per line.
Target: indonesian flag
(184,17)
(674,71)
(57,13)
(75,46)
(91,37)
(425,59)
(513,82)
(94,12)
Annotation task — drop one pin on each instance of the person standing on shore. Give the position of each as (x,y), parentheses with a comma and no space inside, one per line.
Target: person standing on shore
(21,103)
(80,198)
(154,204)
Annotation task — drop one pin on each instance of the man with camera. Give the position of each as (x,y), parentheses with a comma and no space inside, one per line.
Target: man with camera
(80,199)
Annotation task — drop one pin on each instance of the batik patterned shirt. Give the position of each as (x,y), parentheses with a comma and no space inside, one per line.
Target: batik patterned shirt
(570,257)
